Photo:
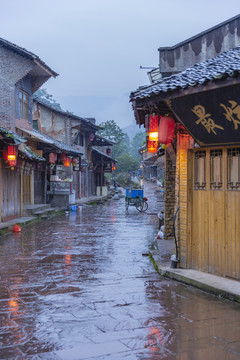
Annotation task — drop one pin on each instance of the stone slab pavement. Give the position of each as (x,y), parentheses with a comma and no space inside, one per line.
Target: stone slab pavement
(217,285)
(25,220)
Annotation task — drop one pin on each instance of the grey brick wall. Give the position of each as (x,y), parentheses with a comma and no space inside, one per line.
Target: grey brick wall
(13,68)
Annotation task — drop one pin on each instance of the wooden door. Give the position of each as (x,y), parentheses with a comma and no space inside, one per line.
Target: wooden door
(26,189)
(10,205)
(83,184)
(215,230)
(39,187)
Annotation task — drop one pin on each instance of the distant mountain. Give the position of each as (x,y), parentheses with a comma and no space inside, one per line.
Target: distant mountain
(132,130)
(102,108)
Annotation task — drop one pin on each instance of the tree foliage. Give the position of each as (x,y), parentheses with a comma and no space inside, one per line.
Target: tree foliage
(127,163)
(48,99)
(123,151)
(136,143)
(111,131)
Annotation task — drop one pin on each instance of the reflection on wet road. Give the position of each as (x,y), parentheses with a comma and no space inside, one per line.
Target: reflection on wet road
(78,287)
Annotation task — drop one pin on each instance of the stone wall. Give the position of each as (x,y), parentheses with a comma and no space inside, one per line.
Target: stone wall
(201,47)
(170,171)
(50,122)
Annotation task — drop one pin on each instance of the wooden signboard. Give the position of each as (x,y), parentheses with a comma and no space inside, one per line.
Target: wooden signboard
(211,117)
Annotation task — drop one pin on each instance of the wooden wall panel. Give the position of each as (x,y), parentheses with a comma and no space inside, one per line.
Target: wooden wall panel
(10,197)
(213,228)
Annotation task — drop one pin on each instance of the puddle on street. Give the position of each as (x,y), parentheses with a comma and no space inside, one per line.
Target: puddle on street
(81,280)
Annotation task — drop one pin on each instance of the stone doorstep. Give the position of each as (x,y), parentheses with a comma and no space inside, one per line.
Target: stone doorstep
(217,285)
(45,211)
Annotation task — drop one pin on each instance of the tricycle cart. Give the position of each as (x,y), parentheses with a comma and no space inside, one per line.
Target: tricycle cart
(135,198)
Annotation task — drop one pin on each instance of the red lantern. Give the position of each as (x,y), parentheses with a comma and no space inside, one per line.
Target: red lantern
(91,137)
(153,128)
(52,158)
(108,151)
(166,130)
(63,157)
(152,146)
(67,162)
(10,155)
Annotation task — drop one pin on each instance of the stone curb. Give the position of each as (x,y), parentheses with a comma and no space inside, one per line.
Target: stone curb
(219,286)
(5,228)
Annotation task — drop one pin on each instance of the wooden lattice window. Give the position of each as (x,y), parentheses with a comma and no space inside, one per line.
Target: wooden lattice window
(200,170)
(233,163)
(216,170)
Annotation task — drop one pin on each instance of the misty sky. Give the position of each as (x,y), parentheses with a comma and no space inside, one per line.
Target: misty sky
(97,46)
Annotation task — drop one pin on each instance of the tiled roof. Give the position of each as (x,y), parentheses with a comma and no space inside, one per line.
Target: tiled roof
(225,64)
(29,55)
(51,141)
(25,150)
(10,135)
(104,140)
(103,154)
(87,121)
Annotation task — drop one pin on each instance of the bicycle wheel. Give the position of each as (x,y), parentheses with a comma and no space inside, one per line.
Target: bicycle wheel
(139,208)
(139,205)
(145,206)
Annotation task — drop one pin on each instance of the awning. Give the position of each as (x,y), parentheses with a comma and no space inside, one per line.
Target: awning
(151,160)
(40,137)
(10,136)
(103,155)
(29,153)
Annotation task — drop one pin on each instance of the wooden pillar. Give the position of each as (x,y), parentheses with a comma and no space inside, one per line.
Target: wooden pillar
(80,183)
(21,192)
(45,184)
(32,188)
(1,189)
(101,178)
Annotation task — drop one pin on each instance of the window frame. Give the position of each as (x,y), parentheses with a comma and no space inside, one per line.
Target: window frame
(23,105)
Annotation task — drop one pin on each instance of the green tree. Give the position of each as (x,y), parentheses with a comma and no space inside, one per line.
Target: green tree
(136,143)
(127,163)
(113,132)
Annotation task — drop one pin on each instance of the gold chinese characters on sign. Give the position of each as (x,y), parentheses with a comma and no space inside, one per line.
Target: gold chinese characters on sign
(232,113)
(205,119)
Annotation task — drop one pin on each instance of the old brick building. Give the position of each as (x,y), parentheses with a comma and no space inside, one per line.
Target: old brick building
(21,74)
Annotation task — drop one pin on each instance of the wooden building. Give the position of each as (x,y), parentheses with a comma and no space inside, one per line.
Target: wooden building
(21,74)
(18,163)
(202,192)
(80,134)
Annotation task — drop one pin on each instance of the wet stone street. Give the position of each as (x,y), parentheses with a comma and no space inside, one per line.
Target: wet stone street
(78,286)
